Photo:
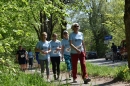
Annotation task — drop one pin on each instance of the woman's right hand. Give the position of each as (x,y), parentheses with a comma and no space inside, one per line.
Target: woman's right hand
(78,51)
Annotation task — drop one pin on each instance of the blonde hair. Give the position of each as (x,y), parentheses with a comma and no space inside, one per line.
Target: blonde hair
(75,24)
(43,33)
(54,34)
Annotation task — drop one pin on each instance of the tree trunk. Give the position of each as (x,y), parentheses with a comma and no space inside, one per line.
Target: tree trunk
(63,27)
(127,27)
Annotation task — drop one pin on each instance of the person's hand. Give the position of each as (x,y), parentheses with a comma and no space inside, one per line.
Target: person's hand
(26,58)
(45,52)
(42,51)
(78,51)
(57,48)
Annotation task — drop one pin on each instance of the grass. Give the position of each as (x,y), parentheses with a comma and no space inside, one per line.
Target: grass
(11,76)
(120,73)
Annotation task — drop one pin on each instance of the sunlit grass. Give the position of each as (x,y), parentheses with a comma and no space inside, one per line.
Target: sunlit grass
(121,72)
(11,76)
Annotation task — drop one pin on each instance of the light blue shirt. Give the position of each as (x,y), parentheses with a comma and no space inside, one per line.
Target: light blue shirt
(30,54)
(54,45)
(67,49)
(45,46)
(76,41)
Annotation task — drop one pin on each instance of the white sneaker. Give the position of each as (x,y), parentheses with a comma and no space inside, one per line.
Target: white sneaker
(48,80)
(75,81)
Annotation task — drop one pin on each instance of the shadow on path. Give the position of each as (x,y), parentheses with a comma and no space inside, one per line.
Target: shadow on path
(107,83)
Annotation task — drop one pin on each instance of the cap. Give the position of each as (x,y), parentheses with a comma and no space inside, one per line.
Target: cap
(65,31)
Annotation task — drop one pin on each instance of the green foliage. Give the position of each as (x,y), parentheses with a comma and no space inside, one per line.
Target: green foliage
(123,73)
(115,23)
(11,75)
(100,18)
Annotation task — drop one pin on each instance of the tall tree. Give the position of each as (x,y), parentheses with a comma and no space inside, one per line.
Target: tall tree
(127,27)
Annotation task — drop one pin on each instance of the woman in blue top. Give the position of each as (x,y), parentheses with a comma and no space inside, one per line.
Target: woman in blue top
(44,48)
(66,51)
(78,52)
(36,55)
(30,56)
(55,55)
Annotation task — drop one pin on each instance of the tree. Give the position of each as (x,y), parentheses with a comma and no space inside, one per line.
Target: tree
(51,12)
(127,27)
(114,20)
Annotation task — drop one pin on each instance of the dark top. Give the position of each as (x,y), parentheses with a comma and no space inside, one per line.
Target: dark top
(21,53)
(114,48)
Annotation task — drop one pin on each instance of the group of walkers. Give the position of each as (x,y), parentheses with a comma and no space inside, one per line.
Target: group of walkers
(71,48)
(23,56)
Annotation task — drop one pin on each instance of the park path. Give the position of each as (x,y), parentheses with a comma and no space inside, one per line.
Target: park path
(94,81)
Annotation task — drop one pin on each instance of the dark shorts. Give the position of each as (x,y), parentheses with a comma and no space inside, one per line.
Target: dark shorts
(22,60)
(30,61)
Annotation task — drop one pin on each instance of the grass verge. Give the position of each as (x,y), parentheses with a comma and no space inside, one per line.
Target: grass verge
(118,73)
(11,76)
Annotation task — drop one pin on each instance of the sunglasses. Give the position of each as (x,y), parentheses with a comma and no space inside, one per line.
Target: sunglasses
(76,26)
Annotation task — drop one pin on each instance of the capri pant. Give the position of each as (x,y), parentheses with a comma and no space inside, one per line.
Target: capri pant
(42,64)
(68,62)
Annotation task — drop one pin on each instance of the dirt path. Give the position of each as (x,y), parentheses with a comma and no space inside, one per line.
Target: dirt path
(94,81)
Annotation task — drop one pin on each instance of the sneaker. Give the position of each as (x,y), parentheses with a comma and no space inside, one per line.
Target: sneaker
(74,81)
(86,80)
(57,77)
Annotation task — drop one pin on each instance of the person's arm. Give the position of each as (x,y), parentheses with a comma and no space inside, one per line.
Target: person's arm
(62,51)
(46,52)
(71,44)
(84,46)
(26,55)
(37,50)
(49,50)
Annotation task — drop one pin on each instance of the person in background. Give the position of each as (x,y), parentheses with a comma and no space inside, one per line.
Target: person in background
(114,50)
(21,57)
(66,51)
(78,50)
(26,57)
(36,55)
(30,57)
(44,48)
(55,55)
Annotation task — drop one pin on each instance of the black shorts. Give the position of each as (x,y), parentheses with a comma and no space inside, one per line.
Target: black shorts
(30,61)
(22,60)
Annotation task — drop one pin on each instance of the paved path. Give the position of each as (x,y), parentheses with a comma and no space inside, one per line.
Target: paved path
(104,62)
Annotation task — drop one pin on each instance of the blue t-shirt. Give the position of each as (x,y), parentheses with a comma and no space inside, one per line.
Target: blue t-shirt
(54,45)
(30,54)
(45,46)
(65,43)
(76,41)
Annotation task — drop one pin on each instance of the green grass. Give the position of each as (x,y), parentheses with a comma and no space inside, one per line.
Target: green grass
(120,73)
(11,76)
